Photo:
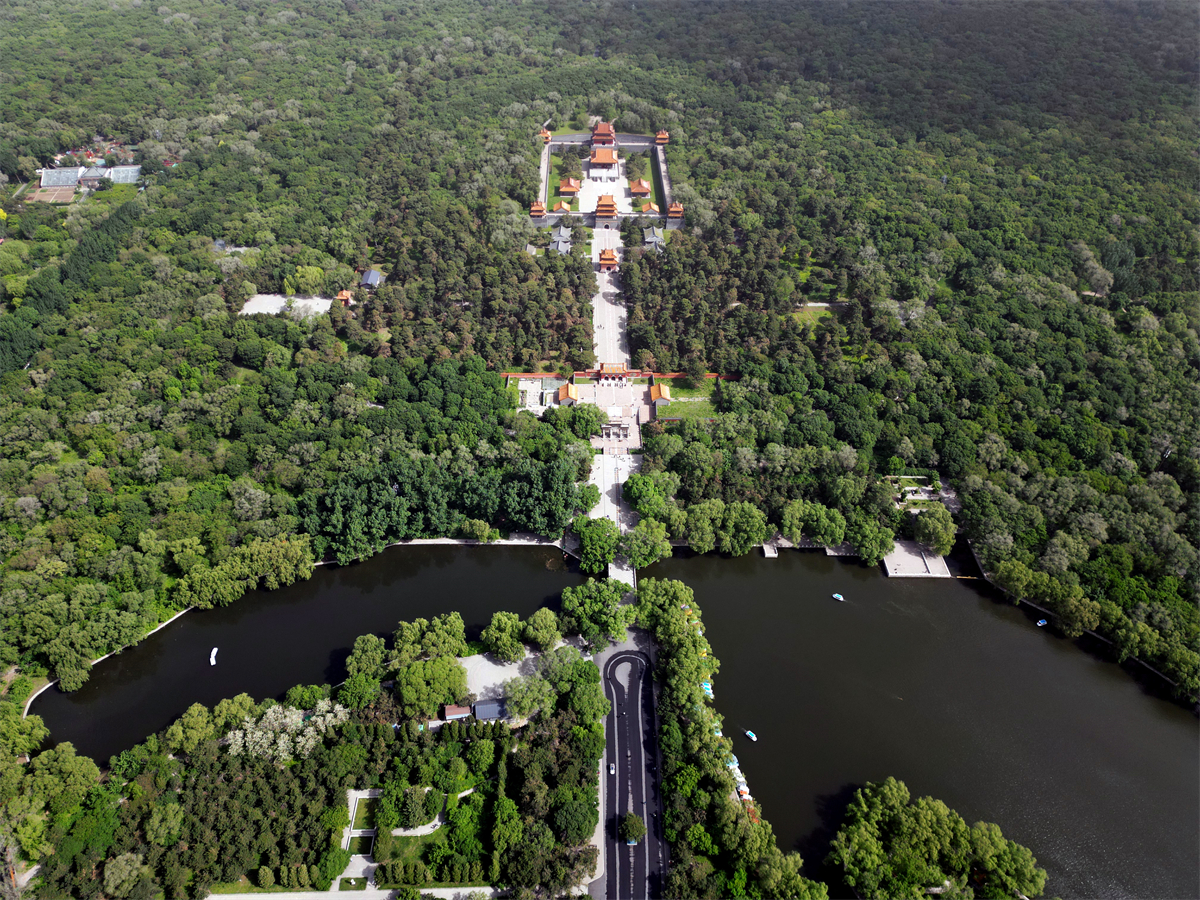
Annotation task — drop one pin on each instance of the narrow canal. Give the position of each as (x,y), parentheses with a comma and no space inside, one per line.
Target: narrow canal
(933,682)
(271,640)
(958,695)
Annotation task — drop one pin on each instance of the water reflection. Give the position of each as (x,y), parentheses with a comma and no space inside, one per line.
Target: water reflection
(272,640)
(952,690)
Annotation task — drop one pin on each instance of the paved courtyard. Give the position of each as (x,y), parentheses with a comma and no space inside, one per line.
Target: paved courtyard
(603,182)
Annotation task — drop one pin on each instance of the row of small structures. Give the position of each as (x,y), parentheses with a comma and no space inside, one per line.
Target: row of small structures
(606,208)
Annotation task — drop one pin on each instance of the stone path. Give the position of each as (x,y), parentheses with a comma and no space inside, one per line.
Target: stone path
(609,474)
(668,196)
(608,310)
(544,176)
(353,798)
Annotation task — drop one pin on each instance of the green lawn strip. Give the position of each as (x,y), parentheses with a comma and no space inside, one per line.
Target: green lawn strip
(245,886)
(364,812)
(352,884)
(115,195)
(361,846)
(678,390)
(554,187)
(552,179)
(700,409)
(811,314)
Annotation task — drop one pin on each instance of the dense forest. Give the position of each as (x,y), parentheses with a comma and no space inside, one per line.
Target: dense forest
(997,201)
(1010,255)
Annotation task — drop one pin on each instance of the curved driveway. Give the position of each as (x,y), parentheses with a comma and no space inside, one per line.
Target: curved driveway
(632,873)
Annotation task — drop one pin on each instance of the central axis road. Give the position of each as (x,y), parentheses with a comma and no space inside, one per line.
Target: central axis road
(637,872)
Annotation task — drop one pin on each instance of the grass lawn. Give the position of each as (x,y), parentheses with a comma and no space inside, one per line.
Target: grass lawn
(412,849)
(361,846)
(701,409)
(364,812)
(554,182)
(352,884)
(245,886)
(811,314)
(678,389)
(114,196)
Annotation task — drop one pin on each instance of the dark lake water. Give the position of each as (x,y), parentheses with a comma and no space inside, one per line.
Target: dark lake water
(302,634)
(940,685)
(934,682)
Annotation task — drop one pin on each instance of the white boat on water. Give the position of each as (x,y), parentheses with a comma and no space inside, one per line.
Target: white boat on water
(750,734)
(212,657)
(839,597)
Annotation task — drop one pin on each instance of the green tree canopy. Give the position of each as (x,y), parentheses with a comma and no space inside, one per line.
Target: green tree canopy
(594,611)
(598,541)
(892,846)
(815,521)
(502,637)
(646,544)
(632,828)
(541,629)
(424,685)
(935,528)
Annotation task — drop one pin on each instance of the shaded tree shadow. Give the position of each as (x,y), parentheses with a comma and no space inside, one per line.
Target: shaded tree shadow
(814,846)
(335,671)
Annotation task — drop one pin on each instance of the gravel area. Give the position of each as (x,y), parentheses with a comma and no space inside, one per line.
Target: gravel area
(277,303)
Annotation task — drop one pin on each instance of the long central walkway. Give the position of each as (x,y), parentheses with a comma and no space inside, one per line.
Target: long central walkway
(608,308)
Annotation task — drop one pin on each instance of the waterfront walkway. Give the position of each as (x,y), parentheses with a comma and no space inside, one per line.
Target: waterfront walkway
(911,560)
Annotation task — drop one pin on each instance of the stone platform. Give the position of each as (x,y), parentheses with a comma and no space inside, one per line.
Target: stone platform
(910,560)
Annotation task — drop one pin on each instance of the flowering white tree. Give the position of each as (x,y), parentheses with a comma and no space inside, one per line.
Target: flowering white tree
(283,733)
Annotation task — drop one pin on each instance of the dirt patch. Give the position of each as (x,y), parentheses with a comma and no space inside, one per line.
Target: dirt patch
(51,195)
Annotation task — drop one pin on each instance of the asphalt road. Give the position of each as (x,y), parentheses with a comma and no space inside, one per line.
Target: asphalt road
(638,872)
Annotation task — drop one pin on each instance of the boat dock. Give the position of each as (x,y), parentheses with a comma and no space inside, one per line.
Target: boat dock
(770,551)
